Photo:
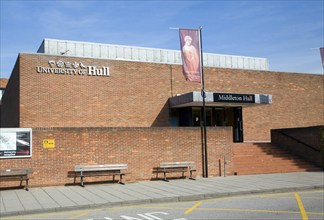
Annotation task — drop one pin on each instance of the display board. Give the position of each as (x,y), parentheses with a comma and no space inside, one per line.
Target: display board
(15,142)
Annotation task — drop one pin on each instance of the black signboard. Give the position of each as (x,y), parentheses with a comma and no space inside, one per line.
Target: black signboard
(235,98)
(15,142)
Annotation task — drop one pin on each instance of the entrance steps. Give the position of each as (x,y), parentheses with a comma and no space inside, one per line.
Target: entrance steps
(262,158)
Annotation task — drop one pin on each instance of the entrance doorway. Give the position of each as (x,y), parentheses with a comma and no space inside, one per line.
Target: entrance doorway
(238,125)
(215,116)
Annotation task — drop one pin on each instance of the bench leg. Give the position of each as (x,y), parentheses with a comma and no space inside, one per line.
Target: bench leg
(27,179)
(82,184)
(165,179)
(191,176)
(121,179)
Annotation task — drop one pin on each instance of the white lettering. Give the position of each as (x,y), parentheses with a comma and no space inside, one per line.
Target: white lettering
(248,98)
(145,217)
(129,218)
(40,69)
(229,98)
(152,214)
(107,73)
(9,153)
(89,70)
(94,71)
(82,72)
(99,72)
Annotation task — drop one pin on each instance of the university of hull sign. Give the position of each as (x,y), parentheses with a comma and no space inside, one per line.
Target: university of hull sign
(72,68)
(234,98)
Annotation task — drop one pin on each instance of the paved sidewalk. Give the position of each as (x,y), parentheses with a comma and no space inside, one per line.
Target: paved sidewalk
(59,198)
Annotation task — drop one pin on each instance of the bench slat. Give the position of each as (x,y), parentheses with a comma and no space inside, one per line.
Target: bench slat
(14,172)
(103,167)
(176,164)
(100,174)
(173,166)
(12,178)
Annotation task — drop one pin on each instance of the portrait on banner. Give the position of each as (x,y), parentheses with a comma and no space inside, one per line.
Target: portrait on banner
(190,53)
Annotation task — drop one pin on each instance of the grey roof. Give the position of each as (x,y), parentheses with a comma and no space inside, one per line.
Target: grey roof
(143,54)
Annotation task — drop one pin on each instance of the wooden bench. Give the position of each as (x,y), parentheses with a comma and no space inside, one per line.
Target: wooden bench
(172,167)
(100,170)
(16,174)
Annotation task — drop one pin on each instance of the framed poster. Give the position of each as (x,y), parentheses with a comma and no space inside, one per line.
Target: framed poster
(15,142)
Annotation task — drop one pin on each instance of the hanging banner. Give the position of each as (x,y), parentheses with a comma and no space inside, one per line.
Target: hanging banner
(190,53)
(15,142)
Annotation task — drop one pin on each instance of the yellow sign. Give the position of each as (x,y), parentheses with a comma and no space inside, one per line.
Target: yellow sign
(48,143)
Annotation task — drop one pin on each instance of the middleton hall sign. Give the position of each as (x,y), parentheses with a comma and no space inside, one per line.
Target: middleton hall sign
(72,68)
(227,97)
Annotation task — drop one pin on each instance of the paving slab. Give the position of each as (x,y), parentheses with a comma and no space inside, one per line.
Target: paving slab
(11,201)
(74,196)
(59,197)
(43,198)
(106,192)
(118,193)
(90,194)
(28,201)
(154,190)
(2,208)
(132,190)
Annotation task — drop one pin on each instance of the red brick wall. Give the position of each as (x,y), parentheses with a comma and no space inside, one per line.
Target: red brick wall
(141,148)
(133,96)
(303,142)
(136,95)
(297,98)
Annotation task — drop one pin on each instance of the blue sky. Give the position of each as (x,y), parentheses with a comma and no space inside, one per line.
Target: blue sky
(287,32)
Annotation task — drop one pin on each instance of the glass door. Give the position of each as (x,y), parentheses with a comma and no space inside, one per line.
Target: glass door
(238,125)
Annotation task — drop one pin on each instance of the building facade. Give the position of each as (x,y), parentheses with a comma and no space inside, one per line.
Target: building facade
(69,91)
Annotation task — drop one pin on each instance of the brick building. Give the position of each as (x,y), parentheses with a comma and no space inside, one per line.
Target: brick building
(118,104)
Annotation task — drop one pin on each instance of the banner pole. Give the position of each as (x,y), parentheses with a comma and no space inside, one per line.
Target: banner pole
(322,56)
(203,94)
